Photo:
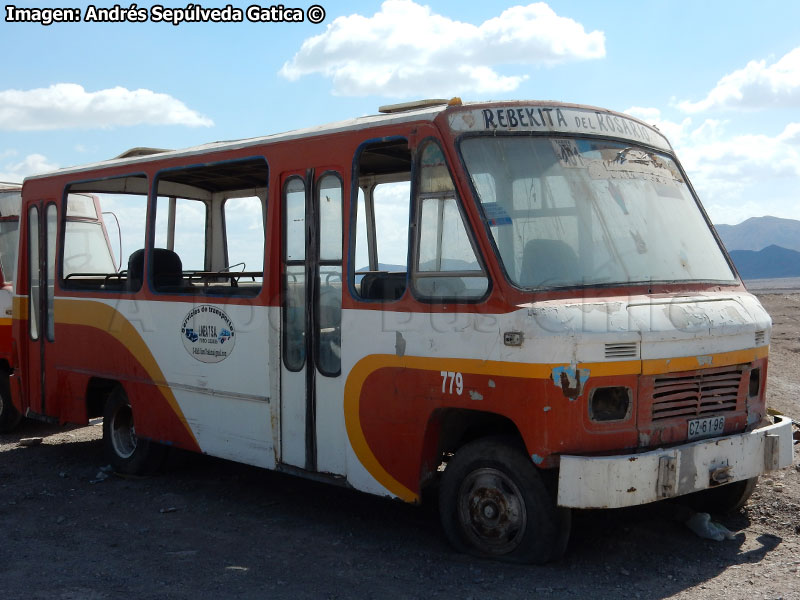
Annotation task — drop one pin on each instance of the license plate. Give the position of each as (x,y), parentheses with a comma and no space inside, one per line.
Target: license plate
(700,428)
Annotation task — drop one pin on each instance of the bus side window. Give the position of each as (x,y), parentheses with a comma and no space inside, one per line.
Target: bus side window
(446,264)
(209,230)
(94,257)
(244,234)
(379,269)
(329,282)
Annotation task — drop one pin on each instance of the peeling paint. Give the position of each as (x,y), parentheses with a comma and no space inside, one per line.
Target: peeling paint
(547,408)
(704,360)
(571,380)
(537,459)
(492,383)
(475,395)
(399,344)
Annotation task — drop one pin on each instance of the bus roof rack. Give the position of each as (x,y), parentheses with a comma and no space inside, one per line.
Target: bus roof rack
(416,104)
(141,151)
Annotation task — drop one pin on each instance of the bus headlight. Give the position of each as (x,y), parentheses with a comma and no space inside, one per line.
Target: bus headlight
(610,403)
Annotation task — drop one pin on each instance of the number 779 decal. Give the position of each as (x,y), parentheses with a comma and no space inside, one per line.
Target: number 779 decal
(455,378)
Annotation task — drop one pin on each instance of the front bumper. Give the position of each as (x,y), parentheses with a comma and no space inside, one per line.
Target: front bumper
(632,479)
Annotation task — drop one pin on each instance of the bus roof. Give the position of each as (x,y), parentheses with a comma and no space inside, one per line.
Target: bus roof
(425,110)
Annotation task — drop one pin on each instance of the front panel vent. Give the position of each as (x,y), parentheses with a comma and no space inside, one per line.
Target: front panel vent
(623,350)
(703,393)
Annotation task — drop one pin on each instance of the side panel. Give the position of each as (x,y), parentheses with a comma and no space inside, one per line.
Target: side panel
(209,394)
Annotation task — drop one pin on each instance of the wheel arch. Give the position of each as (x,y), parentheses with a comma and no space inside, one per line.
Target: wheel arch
(448,429)
(98,390)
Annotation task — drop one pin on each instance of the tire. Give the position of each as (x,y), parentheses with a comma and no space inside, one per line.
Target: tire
(10,417)
(126,452)
(724,499)
(493,503)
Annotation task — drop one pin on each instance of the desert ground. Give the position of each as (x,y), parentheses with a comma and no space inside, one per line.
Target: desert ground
(206,528)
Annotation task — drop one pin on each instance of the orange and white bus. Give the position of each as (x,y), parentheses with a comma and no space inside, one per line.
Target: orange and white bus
(522,304)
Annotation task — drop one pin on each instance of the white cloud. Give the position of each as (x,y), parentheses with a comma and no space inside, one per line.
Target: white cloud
(407,49)
(757,85)
(30,165)
(675,132)
(743,158)
(736,176)
(69,105)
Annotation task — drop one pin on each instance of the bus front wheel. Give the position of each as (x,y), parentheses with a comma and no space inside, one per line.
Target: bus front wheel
(724,499)
(10,417)
(127,452)
(493,503)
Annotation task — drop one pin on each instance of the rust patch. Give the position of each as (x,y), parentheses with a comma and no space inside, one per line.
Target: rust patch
(570,391)
(571,380)
(631,490)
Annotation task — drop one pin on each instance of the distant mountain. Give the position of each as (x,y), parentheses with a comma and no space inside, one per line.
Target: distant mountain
(385,267)
(768,263)
(757,233)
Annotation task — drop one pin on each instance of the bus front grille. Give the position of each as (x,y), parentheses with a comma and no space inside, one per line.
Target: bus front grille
(696,394)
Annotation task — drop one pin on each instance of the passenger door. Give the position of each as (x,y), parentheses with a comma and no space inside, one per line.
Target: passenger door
(312,432)
(37,344)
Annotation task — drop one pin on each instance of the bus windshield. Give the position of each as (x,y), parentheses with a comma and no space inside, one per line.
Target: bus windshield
(567,212)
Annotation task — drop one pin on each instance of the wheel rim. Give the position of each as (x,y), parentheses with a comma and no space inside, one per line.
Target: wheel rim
(123,434)
(492,511)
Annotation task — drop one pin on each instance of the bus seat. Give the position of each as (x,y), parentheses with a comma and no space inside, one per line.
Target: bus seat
(549,263)
(381,285)
(135,270)
(167,269)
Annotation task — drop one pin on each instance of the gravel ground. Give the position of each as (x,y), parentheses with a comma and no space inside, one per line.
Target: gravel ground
(207,528)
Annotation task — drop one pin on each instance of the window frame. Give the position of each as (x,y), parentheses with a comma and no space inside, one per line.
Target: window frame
(65,283)
(352,220)
(414,246)
(319,263)
(294,368)
(221,293)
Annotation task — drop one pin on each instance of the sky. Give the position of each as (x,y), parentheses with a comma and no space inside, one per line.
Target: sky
(720,79)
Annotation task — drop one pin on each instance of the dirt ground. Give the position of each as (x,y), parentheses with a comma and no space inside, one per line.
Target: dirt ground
(207,528)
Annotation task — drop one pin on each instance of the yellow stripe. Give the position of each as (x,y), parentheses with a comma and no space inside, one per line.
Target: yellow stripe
(19,308)
(690,363)
(6,322)
(105,318)
(367,365)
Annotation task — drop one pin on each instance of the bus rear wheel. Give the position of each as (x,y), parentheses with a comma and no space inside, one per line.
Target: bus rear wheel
(493,503)
(10,417)
(127,452)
